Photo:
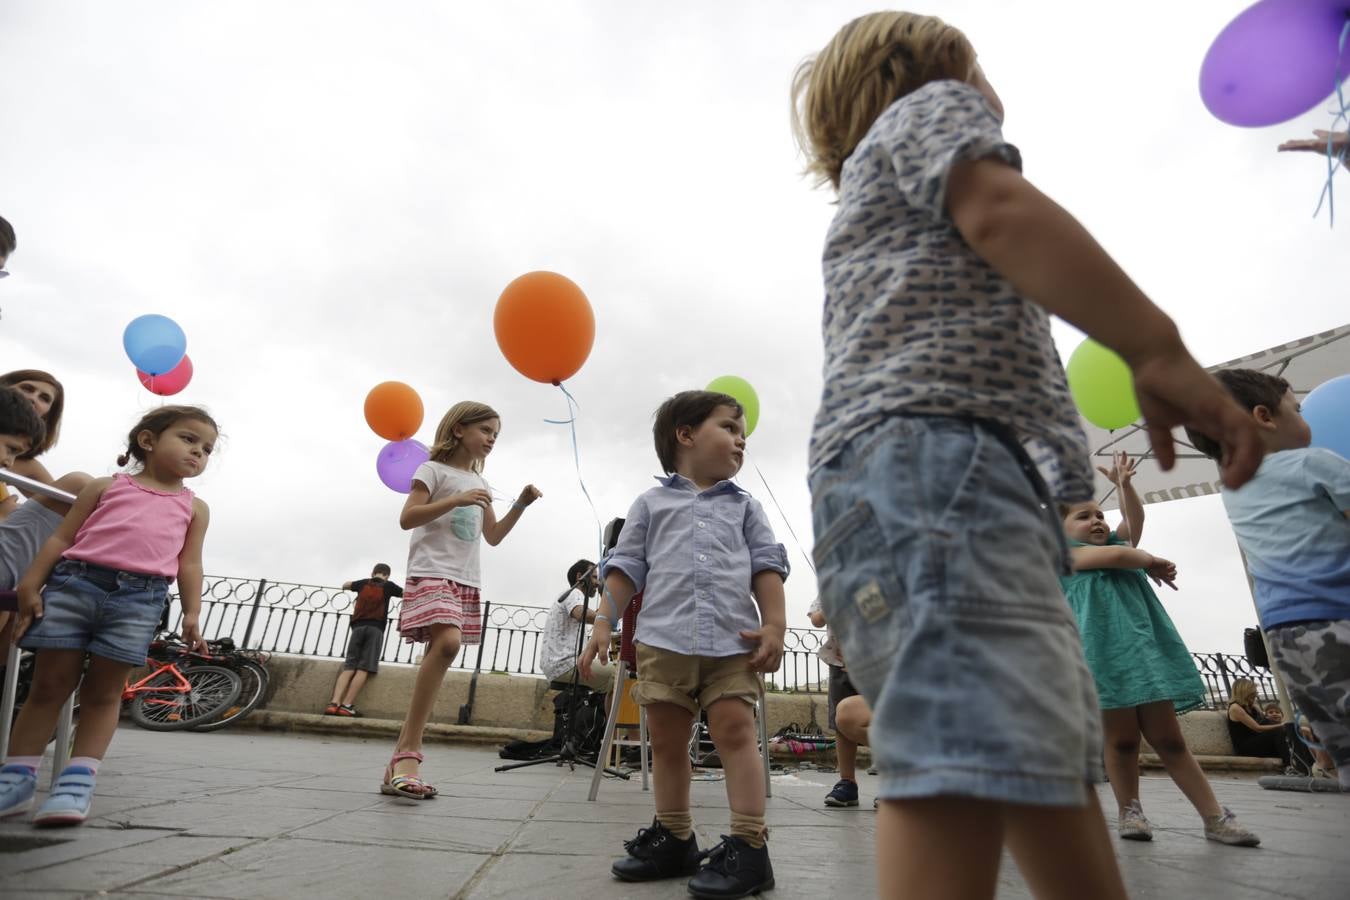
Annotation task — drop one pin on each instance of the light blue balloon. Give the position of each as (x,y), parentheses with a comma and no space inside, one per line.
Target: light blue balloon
(1327,412)
(154,343)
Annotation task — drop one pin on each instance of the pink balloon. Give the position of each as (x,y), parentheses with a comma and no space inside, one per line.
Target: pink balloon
(170,382)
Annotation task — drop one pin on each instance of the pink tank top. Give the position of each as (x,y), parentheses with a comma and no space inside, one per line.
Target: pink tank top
(135,529)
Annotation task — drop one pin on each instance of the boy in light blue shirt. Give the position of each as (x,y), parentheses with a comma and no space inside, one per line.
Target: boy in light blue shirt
(1291,522)
(698,547)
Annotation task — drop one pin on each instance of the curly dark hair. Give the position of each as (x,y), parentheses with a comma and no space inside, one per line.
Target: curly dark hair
(1250,389)
(686,409)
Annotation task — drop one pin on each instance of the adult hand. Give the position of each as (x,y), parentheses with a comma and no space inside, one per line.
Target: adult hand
(1339,140)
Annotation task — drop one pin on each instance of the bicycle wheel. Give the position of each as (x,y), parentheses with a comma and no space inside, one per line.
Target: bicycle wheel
(161,706)
(254,678)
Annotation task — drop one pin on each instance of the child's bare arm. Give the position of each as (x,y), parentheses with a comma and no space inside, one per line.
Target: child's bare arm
(617,590)
(30,585)
(190,575)
(768,589)
(1162,571)
(1051,259)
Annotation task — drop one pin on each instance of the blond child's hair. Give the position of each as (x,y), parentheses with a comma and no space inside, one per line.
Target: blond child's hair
(872,62)
(466,412)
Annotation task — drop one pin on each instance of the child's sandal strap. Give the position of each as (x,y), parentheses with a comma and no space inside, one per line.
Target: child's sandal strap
(407,754)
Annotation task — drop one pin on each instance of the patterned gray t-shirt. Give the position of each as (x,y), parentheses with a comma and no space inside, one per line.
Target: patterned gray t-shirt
(915,321)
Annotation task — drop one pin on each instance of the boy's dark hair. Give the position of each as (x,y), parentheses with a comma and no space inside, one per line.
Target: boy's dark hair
(19,419)
(157,421)
(8,242)
(381,569)
(1250,389)
(686,409)
(579,568)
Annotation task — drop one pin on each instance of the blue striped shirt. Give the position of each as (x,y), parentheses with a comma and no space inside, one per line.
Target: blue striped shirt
(693,553)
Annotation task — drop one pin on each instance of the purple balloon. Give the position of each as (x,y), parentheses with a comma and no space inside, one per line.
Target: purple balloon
(398,461)
(1275,61)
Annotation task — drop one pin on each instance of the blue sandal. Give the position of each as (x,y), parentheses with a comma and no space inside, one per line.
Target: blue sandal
(17,785)
(69,800)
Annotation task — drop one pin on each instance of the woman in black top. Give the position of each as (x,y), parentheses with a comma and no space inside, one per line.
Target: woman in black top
(1253,734)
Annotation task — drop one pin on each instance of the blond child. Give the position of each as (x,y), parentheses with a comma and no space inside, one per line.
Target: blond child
(944,436)
(448,511)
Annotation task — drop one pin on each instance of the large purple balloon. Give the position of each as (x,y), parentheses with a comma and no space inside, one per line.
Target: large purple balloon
(1275,61)
(398,461)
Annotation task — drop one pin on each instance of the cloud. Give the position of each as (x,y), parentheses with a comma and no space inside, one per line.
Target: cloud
(329,195)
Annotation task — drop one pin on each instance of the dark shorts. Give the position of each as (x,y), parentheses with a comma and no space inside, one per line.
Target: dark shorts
(364,645)
(99,610)
(840,687)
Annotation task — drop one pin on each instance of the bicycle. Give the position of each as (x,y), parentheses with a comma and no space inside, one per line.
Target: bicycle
(173,697)
(251,667)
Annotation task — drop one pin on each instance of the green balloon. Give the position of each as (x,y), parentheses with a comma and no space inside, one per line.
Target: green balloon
(1102,386)
(745,395)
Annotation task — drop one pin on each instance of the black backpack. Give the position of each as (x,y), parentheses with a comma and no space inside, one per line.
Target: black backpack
(1254,648)
(589,729)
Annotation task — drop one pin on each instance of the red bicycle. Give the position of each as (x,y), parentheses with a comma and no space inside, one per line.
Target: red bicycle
(173,697)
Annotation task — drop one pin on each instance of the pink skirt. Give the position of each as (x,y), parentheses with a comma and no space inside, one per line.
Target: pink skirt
(438,601)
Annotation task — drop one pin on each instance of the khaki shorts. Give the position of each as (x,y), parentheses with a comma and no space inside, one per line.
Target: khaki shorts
(692,681)
(602,677)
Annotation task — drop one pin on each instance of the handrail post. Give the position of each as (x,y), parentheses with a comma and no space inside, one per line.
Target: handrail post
(466,710)
(253,613)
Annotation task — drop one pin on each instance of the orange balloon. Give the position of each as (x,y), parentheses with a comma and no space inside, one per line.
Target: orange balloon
(544,326)
(393,410)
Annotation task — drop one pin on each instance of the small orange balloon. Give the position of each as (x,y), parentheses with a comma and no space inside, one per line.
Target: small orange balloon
(545,326)
(393,410)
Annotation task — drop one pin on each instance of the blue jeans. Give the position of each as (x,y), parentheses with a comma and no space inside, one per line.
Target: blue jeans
(938,552)
(100,610)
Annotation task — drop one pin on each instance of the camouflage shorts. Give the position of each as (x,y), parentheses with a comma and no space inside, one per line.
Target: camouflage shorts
(1314,658)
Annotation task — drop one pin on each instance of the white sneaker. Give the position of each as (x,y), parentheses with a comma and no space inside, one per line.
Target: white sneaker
(1226,829)
(1133,826)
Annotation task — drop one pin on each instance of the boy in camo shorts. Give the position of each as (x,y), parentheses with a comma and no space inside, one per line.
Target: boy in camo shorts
(1291,522)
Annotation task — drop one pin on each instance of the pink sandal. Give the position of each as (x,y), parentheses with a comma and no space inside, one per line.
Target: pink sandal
(410,786)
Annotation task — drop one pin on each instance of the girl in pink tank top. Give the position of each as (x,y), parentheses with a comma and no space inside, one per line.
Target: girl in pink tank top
(98,586)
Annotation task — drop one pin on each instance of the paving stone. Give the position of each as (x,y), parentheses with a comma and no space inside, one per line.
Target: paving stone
(260,815)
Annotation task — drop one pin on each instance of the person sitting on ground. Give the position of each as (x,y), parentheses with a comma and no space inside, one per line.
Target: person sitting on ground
(1252,731)
(562,631)
(370,613)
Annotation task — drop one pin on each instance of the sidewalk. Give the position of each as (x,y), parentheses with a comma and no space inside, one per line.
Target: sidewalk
(262,815)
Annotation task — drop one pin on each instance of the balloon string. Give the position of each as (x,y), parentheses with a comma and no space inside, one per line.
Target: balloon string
(1335,160)
(779,506)
(572,407)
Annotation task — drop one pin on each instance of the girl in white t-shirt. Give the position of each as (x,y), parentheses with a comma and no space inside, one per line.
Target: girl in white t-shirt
(449,507)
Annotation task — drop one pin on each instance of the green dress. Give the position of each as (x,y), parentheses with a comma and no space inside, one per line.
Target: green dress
(1132,647)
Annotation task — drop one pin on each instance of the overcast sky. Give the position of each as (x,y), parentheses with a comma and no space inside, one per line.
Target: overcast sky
(327,195)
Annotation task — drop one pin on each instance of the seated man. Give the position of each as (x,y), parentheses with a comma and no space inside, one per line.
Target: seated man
(559,648)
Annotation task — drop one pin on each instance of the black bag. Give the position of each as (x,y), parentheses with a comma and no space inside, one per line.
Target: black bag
(528,749)
(589,730)
(1254,648)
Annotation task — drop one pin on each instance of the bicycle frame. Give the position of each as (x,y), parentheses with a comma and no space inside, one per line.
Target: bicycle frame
(180,686)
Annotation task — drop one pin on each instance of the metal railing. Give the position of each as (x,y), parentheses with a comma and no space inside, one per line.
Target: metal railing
(313,620)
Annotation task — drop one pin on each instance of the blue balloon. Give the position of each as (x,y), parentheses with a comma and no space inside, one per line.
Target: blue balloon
(154,343)
(1327,412)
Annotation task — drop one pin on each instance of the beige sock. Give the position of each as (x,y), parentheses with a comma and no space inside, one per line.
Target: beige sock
(750,829)
(680,824)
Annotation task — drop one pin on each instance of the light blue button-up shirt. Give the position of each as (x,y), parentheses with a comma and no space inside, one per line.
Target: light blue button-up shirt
(693,553)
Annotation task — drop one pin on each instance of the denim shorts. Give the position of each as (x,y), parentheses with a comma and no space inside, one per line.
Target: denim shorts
(100,610)
(938,552)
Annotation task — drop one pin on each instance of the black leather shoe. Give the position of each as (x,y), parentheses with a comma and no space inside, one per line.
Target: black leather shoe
(734,869)
(656,853)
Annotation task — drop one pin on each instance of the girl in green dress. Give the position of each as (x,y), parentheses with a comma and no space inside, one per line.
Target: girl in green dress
(1143,671)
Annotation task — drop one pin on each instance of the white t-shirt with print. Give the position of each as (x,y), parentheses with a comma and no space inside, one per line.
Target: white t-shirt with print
(448,547)
(558,649)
